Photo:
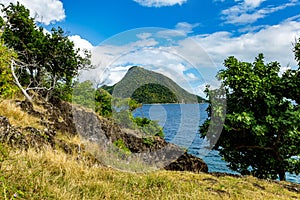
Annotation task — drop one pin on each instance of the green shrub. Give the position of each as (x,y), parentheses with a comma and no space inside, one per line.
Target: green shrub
(122,147)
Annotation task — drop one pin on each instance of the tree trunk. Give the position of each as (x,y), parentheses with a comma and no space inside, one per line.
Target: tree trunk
(28,98)
(281,174)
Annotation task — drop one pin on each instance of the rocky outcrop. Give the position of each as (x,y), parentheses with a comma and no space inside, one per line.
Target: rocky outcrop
(63,117)
(188,162)
(24,137)
(157,152)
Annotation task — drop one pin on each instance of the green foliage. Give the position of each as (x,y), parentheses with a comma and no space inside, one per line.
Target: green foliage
(291,78)
(137,80)
(99,100)
(154,93)
(261,134)
(149,127)
(122,114)
(142,121)
(121,145)
(84,94)
(148,141)
(108,88)
(133,105)
(103,103)
(46,60)
(7,86)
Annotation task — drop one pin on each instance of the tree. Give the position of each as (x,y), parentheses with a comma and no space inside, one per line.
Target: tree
(45,60)
(103,102)
(7,87)
(261,134)
(291,77)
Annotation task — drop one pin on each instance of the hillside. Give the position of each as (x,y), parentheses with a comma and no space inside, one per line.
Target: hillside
(146,86)
(42,159)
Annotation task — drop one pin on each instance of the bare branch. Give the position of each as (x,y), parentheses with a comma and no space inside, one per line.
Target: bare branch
(16,81)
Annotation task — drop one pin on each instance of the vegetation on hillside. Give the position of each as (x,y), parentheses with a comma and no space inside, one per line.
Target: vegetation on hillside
(141,84)
(7,86)
(261,134)
(86,95)
(120,110)
(154,93)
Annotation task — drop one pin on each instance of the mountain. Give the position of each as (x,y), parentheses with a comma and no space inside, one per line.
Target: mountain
(146,86)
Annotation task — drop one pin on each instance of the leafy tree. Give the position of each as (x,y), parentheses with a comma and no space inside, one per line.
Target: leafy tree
(133,105)
(103,103)
(261,134)
(291,77)
(84,94)
(7,87)
(45,60)
(99,100)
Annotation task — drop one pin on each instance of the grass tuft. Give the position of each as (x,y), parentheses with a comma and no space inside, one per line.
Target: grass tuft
(52,174)
(16,116)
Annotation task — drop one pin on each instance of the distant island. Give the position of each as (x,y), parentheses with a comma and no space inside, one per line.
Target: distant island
(148,87)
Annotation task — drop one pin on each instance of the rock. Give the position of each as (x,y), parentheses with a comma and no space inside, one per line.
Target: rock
(62,116)
(188,162)
(160,153)
(10,135)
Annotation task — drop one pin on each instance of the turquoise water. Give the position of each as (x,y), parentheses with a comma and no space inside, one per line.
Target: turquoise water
(181,124)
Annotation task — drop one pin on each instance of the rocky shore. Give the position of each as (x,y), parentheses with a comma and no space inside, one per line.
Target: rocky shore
(59,116)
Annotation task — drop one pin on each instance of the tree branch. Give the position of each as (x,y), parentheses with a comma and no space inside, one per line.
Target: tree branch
(256,147)
(16,81)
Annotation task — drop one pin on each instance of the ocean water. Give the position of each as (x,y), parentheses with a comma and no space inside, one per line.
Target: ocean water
(181,126)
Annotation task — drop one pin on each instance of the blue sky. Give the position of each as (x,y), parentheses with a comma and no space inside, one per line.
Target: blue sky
(97,20)
(190,38)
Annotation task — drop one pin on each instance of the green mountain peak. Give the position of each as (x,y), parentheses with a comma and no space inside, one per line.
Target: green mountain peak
(146,86)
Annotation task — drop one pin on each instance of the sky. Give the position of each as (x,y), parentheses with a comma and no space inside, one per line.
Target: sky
(187,40)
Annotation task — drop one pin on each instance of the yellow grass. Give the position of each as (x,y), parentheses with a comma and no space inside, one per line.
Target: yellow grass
(16,116)
(52,174)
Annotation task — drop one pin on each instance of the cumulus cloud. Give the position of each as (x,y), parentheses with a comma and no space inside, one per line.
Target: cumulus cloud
(200,56)
(81,44)
(249,11)
(113,61)
(274,41)
(159,3)
(44,11)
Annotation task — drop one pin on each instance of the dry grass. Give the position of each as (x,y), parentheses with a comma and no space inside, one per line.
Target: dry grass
(16,116)
(54,175)
(49,174)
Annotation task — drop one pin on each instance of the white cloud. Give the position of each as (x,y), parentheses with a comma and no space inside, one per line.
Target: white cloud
(275,42)
(253,3)
(181,29)
(44,11)
(185,27)
(192,76)
(80,43)
(247,11)
(159,3)
(144,36)
(204,53)
(113,62)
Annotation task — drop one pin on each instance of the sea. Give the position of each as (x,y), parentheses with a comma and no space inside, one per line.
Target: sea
(181,123)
